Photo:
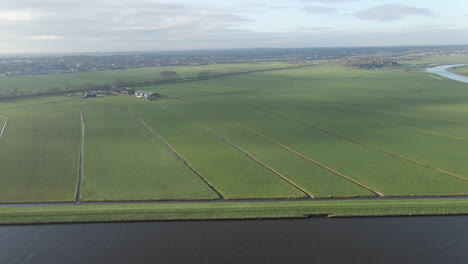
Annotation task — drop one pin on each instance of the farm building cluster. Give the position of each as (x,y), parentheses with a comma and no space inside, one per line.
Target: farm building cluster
(147,95)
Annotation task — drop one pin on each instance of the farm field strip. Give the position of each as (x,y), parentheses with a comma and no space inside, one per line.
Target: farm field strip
(131,164)
(313,179)
(365,145)
(296,152)
(394,113)
(179,157)
(38,155)
(413,144)
(233,174)
(421,130)
(441,128)
(389,175)
(310,195)
(243,152)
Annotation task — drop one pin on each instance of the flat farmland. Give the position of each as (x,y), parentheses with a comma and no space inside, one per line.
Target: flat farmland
(312,134)
(462,70)
(39,152)
(313,179)
(30,84)
(123,161)
(228,170)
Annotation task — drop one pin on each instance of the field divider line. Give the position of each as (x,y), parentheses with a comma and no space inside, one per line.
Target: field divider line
(403,126)
(420,130)
(363,144)
(171,149)
(308,195)
(394,113)
(284,178)
(80,169)
(297,153)
(4,126)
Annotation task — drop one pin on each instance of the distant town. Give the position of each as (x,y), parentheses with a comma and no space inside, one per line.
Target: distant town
(33,64)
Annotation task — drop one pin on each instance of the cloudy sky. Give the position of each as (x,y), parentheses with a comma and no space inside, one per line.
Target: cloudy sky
(30,26)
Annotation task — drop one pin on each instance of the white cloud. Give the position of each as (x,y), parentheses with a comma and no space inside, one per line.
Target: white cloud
(18,15)
(45,37)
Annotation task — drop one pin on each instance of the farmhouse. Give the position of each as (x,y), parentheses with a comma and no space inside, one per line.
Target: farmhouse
(146,94)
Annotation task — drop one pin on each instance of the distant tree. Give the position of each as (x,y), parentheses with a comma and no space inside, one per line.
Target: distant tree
(54,89)
(14,91)
(119,83)
(204,73)
(168,75)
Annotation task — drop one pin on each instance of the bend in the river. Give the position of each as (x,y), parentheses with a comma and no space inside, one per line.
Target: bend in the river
(442,71)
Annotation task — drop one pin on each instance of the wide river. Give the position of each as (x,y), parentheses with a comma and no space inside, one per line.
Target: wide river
(442,71)
(427,240)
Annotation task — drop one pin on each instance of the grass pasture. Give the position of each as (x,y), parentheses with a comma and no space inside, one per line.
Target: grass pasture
(123,161)
(316,132)
(462,70)
(39,152)
(30,84)
(231,172)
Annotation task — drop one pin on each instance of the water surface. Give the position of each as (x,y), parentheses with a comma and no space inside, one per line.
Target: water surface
(318,240)
(442,71)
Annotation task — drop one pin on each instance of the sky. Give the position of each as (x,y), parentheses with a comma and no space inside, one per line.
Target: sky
(35,26)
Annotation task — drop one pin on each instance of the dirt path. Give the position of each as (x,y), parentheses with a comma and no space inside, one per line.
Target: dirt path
(171,149)
(80,171)
(234,201)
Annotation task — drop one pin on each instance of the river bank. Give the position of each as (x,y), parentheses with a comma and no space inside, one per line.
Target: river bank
(235,210)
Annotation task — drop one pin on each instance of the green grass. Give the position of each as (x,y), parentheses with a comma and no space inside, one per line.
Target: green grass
(233,174)
(39,154)
(437,60)
(237,210)
(462,70)
(313,179)
(261,135)
(124,161)
(43,83)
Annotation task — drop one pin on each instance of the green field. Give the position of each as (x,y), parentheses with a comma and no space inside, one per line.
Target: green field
(31,84)
(39,153)
(309,133)
(124,161)
(436,60)
(462,70)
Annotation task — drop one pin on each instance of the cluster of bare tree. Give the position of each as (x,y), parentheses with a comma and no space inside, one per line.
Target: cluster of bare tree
(367,62)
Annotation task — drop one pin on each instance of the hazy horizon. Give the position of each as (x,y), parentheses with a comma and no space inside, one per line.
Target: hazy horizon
(52,26)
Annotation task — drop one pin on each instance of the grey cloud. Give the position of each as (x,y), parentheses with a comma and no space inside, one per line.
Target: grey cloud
(392,12)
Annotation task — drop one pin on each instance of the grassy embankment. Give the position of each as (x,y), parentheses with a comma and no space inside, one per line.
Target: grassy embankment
(236,210)
(31,84)
(462,70)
